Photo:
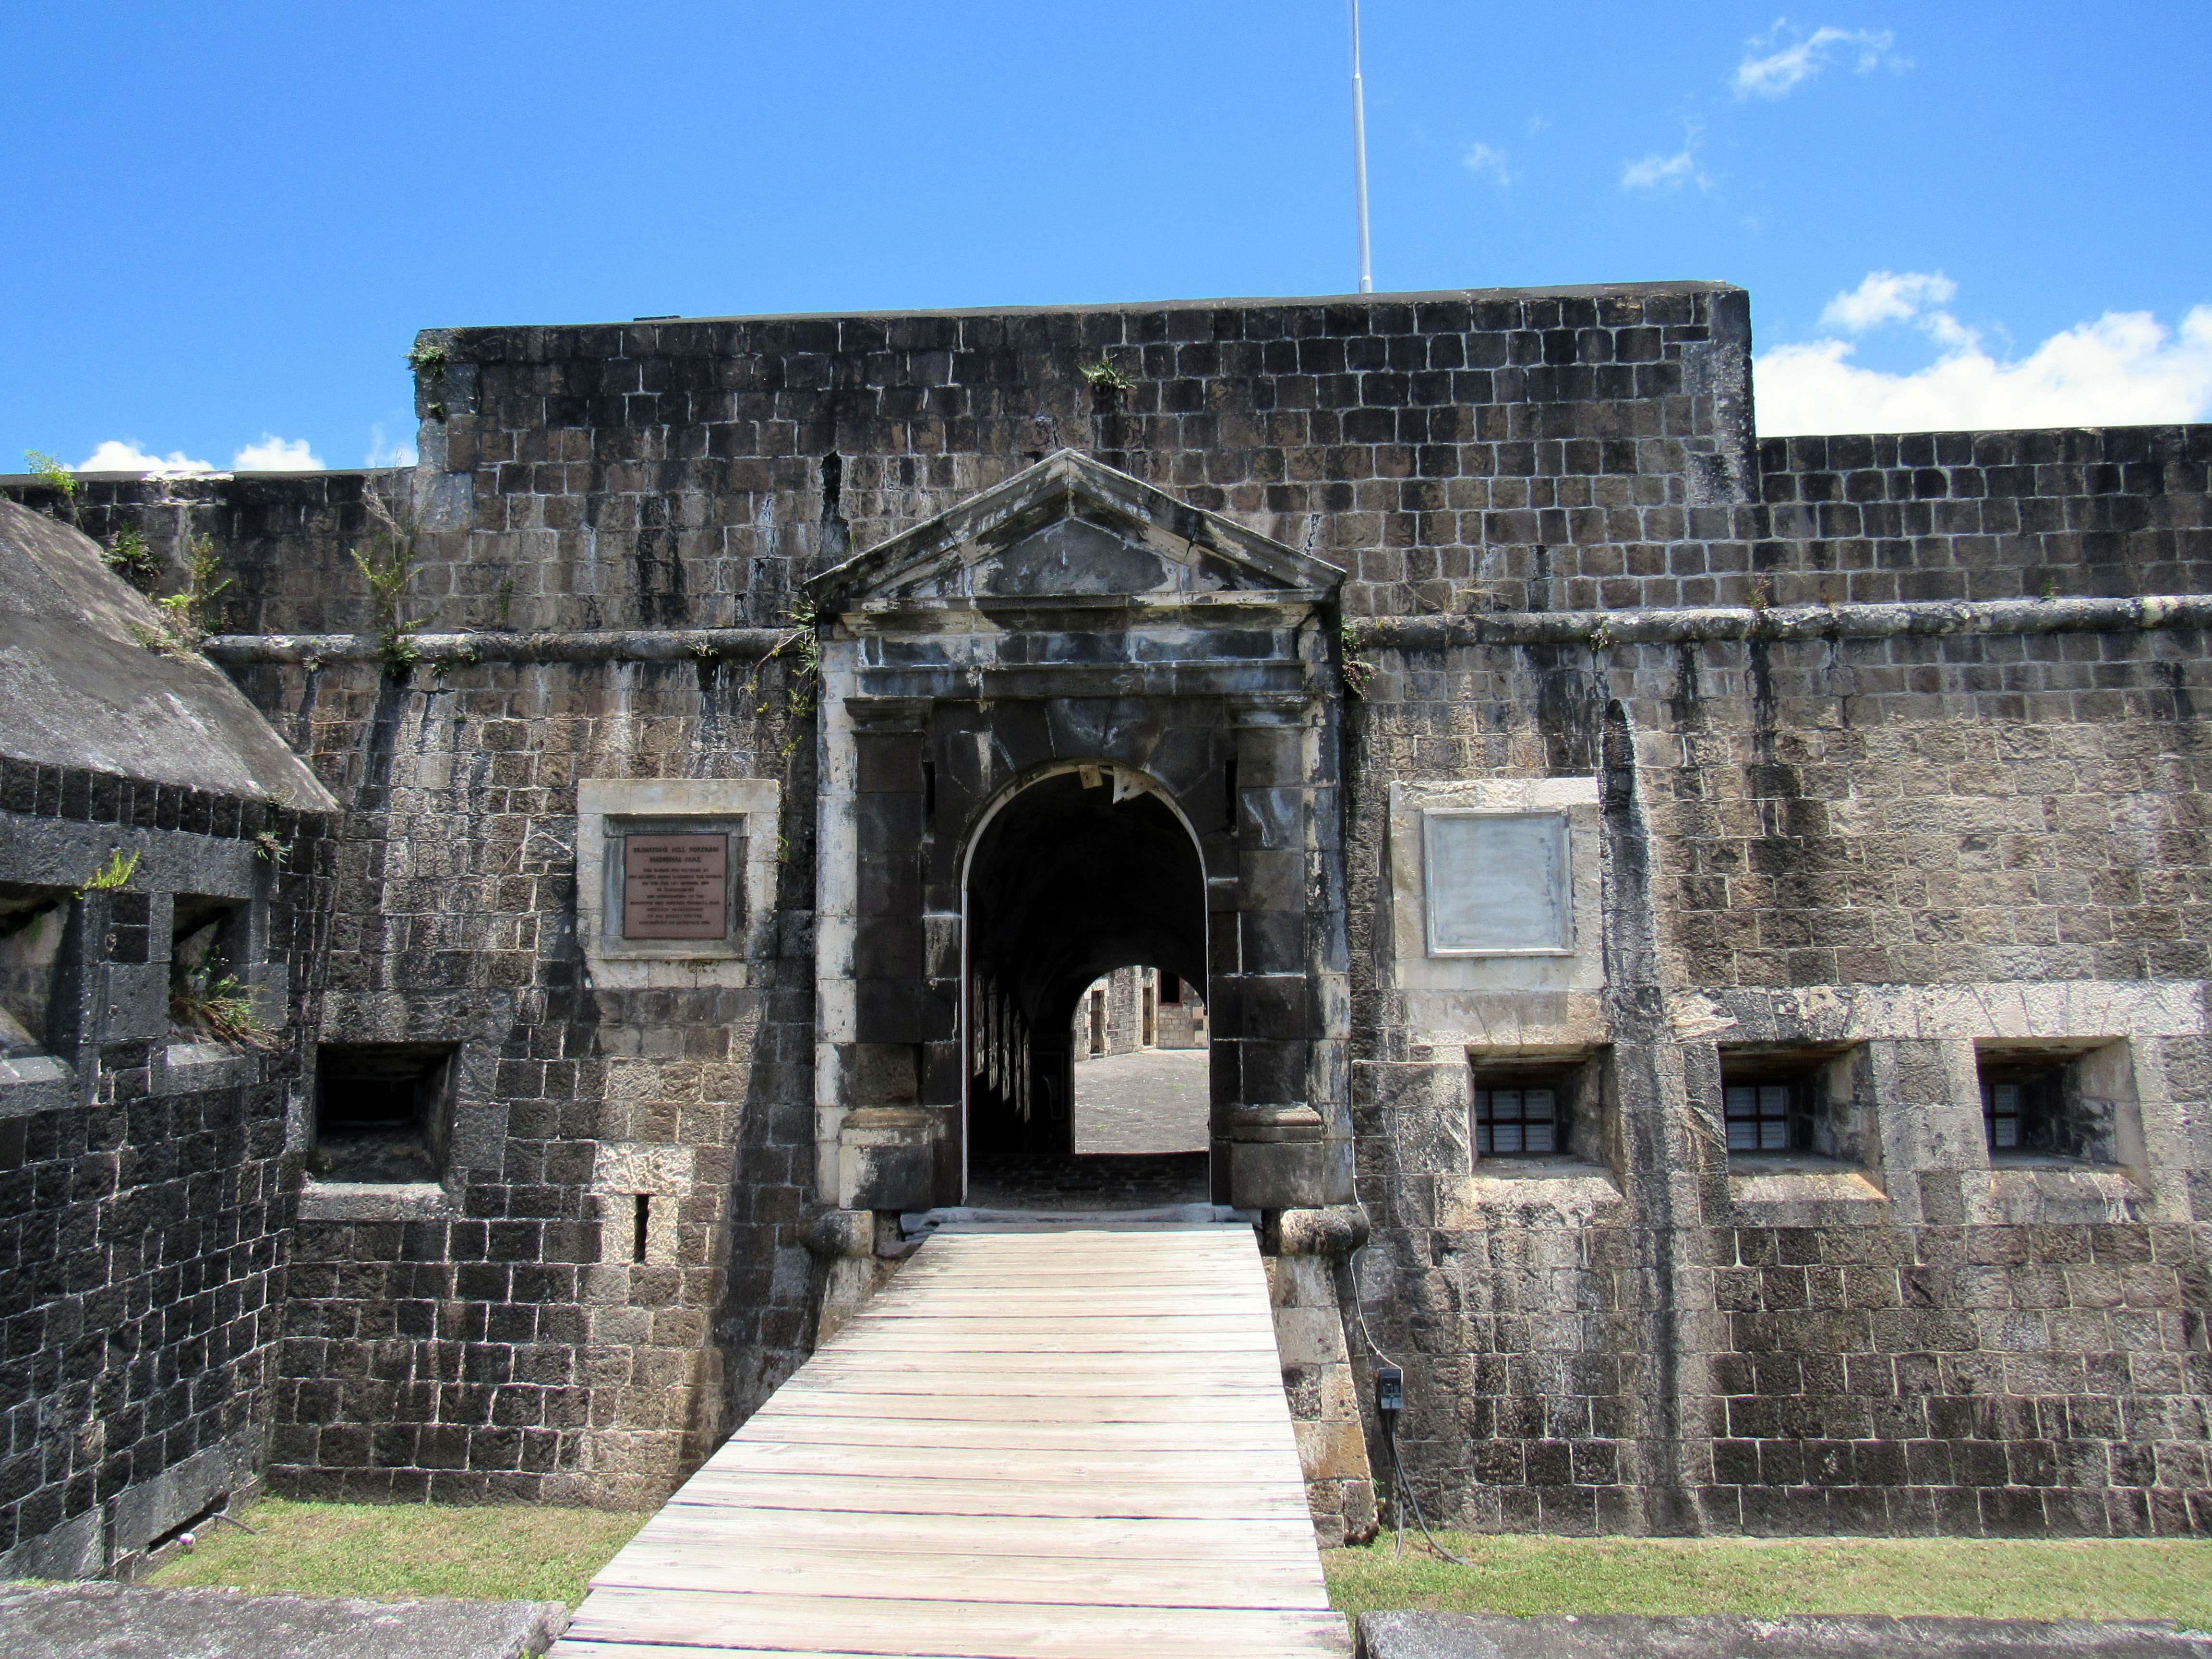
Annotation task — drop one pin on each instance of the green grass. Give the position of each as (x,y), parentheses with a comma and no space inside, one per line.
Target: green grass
(2039,1578)
(392,1552)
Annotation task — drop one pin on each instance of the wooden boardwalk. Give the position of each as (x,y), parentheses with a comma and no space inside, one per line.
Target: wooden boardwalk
(1064,1441)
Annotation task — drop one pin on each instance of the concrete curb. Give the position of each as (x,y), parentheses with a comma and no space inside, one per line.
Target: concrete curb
(97,1619)
(1729,1636)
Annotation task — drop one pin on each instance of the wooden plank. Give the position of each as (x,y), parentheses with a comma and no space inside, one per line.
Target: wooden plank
(1025,1301)
(920,1456)
(1045,1235)
(1048,1278)
(1017,1380)
(1109,1365)
(1235,1412)
(1143,1491)
(1201,1467)
(1019,1304)
(937,1406)
(1135,1319)
(1140,1330)
(1045,1337)
(1068,1580)
(1174,1538)
(900,1347)
(1103,1369)
(959,1630)
(1066,1262)
(1057,1287)
(873,1494)
(1013,1438)
(825,1453)
(1094,1257)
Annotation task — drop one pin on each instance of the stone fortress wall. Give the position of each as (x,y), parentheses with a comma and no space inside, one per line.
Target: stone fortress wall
(1881,756)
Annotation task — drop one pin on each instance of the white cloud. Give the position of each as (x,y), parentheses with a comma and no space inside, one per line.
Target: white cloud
(388,452)
(275,454)
(1657,172)
(1887,296)
(1481,158)
(118,456)
(269,454)
(2124,369)
(1780,68)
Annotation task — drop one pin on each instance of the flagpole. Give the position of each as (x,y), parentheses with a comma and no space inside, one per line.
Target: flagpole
(1360,155)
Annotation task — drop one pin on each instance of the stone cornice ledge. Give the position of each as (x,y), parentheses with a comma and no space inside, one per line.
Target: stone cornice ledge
(593,645)
(2056,615)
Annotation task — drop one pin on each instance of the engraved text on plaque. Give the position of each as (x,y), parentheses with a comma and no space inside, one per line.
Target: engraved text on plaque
(676,886)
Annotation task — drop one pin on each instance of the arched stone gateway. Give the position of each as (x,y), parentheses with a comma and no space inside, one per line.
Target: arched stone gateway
(1033,706)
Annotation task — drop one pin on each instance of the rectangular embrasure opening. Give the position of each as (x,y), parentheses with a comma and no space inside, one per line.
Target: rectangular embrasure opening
(383,1111)
(2048,1099)
(210,954)
(1527,1110)
(1779,1100)
(32,922)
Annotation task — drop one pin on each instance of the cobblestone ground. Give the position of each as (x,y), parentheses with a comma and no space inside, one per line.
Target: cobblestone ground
(1154,1101)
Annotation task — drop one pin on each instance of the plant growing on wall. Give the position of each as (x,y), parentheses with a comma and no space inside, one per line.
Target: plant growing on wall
(802,646)
(430,362)
(388,567)
(184,625)
(803,643)
(1358,670)
(202,998)
(130,558)
(112,875)
(54,472)
(1105,377)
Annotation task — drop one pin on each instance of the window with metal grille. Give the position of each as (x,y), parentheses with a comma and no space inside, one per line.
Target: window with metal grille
(1516,1121)
(1766,1117)
(2019,1109)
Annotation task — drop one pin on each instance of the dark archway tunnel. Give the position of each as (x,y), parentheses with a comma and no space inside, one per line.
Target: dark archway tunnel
(1066,884)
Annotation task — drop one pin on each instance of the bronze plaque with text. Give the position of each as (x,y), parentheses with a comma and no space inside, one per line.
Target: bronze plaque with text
(676,886)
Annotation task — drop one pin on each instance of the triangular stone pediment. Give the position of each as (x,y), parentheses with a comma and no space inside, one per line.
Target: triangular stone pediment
(1070,526)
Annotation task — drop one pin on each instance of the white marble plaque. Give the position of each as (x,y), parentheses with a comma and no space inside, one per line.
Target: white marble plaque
(1496,883)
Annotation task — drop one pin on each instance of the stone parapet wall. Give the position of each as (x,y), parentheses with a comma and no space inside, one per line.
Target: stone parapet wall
(689,472)
(284,538)
(146,1179)
(1986,515)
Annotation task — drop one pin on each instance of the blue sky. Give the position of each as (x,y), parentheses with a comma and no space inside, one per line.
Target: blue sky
(230,218)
